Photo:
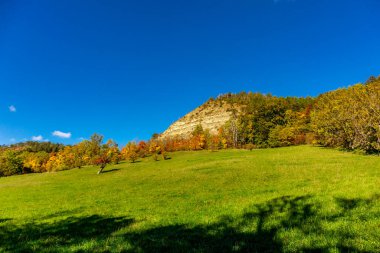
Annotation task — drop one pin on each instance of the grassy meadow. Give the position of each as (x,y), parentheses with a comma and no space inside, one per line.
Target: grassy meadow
(295,199)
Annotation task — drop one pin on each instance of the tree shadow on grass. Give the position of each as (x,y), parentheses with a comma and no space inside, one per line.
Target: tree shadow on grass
(4,220)
(247,233)
(352,203)
(53,237)
(111,170)
(267,227)
(260,228)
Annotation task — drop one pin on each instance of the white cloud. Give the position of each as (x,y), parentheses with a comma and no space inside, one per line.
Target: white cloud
(37,138)
(12,140)
(61,134)
(12,108)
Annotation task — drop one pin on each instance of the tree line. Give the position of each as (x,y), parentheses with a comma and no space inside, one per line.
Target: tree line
(36,157)
(350,117)
(346,118)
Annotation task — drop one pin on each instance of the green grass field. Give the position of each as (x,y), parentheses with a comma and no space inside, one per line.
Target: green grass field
(296,199)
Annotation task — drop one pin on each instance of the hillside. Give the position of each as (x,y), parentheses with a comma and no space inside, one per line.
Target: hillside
(294,199)
(347,118)
(211,115)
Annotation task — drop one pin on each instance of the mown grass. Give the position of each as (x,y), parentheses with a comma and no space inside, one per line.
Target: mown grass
(296,199)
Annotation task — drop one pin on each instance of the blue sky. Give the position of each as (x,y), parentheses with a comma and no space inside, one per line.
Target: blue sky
(128,69)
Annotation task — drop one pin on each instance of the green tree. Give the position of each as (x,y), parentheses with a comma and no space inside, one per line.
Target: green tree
(10,163)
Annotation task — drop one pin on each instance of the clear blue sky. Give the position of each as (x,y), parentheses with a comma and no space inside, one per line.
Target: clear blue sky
(128,69)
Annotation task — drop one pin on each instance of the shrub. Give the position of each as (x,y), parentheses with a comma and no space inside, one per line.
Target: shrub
(250,146)
(10,163)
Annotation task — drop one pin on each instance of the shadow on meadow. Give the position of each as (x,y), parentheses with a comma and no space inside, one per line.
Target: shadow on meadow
(261,228)
(48,237)
(257,230)
(350,204)
(4,220)
(110,170)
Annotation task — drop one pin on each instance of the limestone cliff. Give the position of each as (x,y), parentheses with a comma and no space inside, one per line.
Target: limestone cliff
(211,115)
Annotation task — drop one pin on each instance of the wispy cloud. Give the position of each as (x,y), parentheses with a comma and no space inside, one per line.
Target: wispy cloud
(61,134)
(37,138)
(13,140)
(12,108)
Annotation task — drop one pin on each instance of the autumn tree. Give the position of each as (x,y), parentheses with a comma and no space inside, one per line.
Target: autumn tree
(114,151)
(94,148)
(102,159)
(35,161)
(80,155)
(154,149)
(198,138)
(142,149)
(130,152)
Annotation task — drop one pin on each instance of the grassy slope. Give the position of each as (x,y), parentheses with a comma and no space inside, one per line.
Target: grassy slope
(289,199)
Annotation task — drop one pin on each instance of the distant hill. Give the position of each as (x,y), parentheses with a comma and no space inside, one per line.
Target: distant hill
(217,112)
(347,118)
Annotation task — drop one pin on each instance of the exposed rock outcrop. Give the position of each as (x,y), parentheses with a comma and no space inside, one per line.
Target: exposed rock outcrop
(212,115)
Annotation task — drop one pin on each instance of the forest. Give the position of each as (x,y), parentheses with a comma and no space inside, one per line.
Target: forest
(347,118)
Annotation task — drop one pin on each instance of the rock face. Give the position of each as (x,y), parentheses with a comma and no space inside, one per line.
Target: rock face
(212,115)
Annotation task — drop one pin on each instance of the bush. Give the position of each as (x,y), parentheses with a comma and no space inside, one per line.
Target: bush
(10,163)
(249,146)
(130,152)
